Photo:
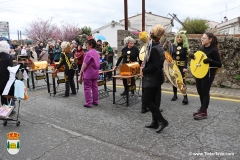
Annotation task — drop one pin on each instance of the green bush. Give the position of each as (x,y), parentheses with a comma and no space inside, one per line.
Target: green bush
(237,77)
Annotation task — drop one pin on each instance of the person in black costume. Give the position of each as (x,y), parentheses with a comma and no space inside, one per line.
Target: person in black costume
(5,61)
(203,85)
(180,51)
(65,59)
(153,78)
(128,54)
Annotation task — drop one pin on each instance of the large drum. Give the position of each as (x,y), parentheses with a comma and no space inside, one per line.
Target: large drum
(197,67)
(129,69)
(143,52)
(173,73)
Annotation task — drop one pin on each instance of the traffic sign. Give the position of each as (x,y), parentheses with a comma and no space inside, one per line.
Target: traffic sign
(4,29)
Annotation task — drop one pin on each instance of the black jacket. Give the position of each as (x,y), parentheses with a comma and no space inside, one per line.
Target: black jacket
(65,60)
(5,61)
(128,55)
(152,72)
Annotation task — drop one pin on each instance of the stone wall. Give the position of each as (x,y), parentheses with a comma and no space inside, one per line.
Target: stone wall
(229,46)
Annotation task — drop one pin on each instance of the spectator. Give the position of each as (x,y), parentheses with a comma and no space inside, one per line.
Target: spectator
(56,52)
(99,45)
(50,53)
(5,61)
(79,53)
(44,55)
(24,51)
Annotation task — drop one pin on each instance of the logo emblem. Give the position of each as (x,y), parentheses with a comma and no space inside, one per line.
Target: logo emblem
(13,142)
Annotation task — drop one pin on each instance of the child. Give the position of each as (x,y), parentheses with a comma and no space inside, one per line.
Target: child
(101,75)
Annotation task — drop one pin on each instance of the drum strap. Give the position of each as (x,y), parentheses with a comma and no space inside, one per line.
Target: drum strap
(209,70)
(67,61)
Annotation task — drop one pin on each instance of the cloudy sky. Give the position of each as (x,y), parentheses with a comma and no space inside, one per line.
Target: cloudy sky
(96,13)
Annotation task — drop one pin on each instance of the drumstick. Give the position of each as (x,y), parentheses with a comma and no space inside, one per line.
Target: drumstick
(197,65)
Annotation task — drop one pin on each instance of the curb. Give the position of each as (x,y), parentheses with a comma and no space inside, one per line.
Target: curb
(235,97)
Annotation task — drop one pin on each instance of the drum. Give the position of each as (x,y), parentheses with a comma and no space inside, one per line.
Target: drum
(197,67)
(173,74)
(39,65)
(168,57)
(143,52)
(61,69)
(129,69)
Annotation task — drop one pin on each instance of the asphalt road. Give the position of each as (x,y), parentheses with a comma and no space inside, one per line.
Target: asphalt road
(59,128)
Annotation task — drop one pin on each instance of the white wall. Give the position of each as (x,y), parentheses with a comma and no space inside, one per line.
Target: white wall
(150,22)
(229,27)
(110,33)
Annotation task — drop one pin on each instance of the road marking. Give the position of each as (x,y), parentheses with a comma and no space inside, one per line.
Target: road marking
(194,95)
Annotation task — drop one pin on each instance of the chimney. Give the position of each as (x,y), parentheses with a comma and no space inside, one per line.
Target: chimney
(225,19)
(150,12)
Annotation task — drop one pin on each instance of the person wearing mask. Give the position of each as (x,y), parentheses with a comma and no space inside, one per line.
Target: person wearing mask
(153,78)
(65,59)
(203,85)
(89,73)
(128,54)
(5,61)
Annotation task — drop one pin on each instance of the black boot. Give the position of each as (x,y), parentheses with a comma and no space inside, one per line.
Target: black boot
(162,123)
(144,110)
(174,98)
(185,100)
(124,93)
(154,123)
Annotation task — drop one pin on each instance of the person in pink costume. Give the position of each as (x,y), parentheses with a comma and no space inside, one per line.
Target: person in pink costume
(89,73)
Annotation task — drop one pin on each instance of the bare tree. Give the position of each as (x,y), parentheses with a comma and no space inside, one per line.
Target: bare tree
(42,30)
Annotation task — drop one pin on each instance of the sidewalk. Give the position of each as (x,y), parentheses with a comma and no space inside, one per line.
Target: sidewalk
(191,89)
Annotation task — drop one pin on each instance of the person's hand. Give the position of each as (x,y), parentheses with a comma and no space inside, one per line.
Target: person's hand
(115,68)
(192,56)
(208,60)
(55,71)
(141,73)
(185,70)
(80,79)
(142,65)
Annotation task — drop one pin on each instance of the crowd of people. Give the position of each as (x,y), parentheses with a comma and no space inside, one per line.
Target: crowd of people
(97,52)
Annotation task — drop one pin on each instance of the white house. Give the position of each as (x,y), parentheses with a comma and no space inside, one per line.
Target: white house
(229,26)
(109,31)
(150,21)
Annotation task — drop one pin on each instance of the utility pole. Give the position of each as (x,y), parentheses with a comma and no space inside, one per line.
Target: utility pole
(143,15)
(126,14)
(18,35)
